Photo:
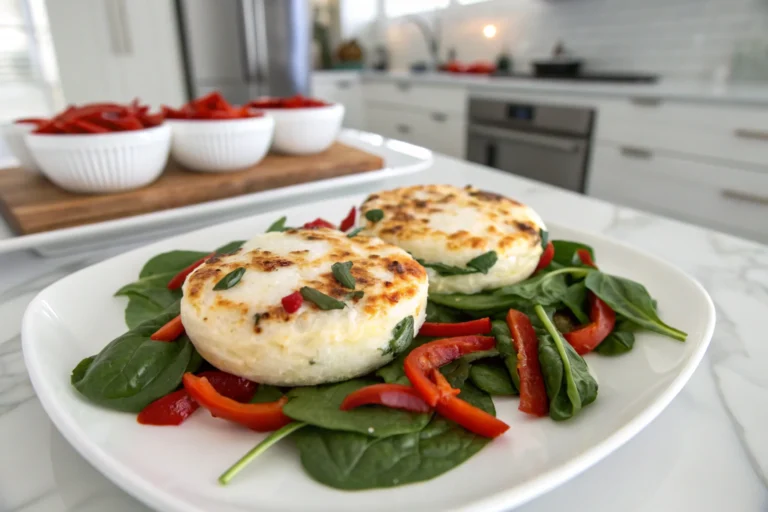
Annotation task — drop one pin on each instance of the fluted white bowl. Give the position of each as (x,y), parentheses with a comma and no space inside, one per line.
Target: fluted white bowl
(104,162)
(304,131)
(221,145)
(14,135)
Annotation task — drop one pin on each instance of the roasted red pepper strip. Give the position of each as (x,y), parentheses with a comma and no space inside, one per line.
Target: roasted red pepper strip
(587,338)
(170,331)
(178,279)
(175,407)
(479,326)
(546,257)
(586,258)
(260,417)
(292,302)
(533,393)
(349,220)
(425,360)
(319,223)
(395,396)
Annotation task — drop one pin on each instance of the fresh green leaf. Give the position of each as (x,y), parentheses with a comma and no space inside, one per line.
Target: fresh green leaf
(230,247)
(564,321)
(354,232)
(319,406)
(632,301)
(230,280)
(141,309)
(342,273)
(266,393)
(278,225)
(352,461)
(441,314)
(565,252)
(484,262)
(402,336)
(447,270)
(320,299)
(272,439)
(133,371)
(374,215)
(546,289)
(544,236)
(79,371)
(500,331)
(480,354)
(357,294)
(482,302)
(170,262)
(620,341)
(575,299)
(570,385)
(456,372)
(492,377)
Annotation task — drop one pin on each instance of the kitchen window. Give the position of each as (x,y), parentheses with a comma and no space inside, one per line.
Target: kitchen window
(394,8)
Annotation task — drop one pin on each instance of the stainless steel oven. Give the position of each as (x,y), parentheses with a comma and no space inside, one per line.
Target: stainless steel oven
(549,143)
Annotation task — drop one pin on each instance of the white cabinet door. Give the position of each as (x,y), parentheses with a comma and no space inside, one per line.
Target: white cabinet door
(407,94)
(344,88)
(708,193)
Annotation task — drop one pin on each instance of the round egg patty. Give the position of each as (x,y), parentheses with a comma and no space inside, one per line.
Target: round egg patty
(245,329)
(452,226)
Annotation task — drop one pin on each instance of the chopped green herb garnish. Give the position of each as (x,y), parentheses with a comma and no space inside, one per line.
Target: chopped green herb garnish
(358,294)
(320,299)
(256,318)
(341,271)
(374,215)
(278,225)
(484,262)
(354,232)
(230,280)
(544,235)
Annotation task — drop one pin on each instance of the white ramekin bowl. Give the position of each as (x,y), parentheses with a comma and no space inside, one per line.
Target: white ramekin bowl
(14,135)
(221,145)
(303,131)
(102,163)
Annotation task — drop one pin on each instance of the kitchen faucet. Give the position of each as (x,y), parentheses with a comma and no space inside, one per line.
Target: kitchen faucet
(431,37)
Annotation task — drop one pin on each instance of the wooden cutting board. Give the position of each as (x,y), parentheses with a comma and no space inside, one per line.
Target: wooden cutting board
(32,204)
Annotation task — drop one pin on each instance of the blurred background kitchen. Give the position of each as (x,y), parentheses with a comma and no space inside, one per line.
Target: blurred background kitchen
(661,104)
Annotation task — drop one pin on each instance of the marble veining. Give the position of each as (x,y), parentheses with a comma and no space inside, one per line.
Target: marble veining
(707,451)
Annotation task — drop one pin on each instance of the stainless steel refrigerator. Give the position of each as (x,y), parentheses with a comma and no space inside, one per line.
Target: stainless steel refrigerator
(245,48)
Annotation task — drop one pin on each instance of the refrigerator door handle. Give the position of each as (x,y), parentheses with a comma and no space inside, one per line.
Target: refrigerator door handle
(250,42)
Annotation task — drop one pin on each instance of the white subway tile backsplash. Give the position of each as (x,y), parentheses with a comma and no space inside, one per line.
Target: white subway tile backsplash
(675,38)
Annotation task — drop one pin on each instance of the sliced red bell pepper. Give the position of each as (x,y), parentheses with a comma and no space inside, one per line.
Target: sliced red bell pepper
(587,338)
(170,331)
(175,407)
(533,392)
(89,127)
(178,280)
(395,396)
(546,257)
(586,258)
(424,361)
(292,302)
(263,417)
(479,326)
(349,220)
(37,121)
(319,223)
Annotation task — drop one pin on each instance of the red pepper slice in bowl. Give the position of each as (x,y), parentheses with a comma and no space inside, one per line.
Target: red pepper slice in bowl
(533,392)
(394,396)
(264,417)
(479,326)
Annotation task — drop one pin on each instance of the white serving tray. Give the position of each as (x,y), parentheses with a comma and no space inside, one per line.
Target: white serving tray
(400,158)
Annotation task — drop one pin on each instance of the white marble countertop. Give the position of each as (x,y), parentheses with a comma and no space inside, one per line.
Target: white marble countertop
(707,451)
(689,91)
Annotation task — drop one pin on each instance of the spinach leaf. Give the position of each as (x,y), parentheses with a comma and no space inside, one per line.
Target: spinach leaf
(546,289)
(570,386)
(133,371)
(500,331)
(442,314)
(565,252)
(230,247)
(481,354)
(484,262)
(341,272)
(575,299)
(170,262)
(141,308)
(456,372)
(266,393)
(492,377)
(278,225)
(402,336)
(620,341)
(484,303)
(352,461)
(632,301)
(319,406)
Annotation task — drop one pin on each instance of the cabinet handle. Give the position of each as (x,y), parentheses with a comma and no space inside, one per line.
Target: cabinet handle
(439,117)
(343,84)
(744,133)
(403,128)
(646,102)
(403,86)
(632,152)
(744,196)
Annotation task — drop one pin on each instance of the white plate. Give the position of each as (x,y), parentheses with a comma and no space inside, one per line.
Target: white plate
(175,469)
(400,158)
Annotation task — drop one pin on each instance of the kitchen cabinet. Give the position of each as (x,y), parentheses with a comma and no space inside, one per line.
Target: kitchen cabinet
(345,88)
(117,50)
(438,131)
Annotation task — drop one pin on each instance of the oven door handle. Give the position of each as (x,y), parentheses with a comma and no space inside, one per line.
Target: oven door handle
(556,143)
